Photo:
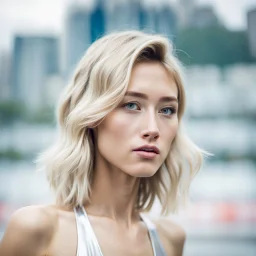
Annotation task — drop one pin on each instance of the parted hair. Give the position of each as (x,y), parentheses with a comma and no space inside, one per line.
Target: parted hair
(97,87)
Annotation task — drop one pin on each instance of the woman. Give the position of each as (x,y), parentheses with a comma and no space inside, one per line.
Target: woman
(120,148)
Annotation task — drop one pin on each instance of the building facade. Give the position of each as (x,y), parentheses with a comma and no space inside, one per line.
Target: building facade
(34,59)
(5,76)
(251,25)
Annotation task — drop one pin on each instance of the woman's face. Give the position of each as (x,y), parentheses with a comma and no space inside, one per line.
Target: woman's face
(136,136)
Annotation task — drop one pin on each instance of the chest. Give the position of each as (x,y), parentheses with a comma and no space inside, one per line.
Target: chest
(111,241)
(116,242)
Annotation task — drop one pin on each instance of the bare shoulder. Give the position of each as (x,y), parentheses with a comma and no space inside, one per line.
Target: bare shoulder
(29,231)
(172,230)
(172,235)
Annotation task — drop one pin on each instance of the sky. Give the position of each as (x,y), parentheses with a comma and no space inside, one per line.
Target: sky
(48,15)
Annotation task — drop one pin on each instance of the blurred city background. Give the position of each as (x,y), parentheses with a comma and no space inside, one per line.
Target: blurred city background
(41,43)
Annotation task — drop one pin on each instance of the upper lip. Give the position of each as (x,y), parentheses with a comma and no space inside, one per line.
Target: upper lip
(155,149)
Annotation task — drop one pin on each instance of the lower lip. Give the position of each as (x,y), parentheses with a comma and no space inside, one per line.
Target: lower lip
(144,154)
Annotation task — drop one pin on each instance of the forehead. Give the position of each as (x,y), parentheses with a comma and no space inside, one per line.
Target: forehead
(152,77)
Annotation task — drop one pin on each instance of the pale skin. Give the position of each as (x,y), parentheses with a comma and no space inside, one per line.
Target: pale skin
(142,119)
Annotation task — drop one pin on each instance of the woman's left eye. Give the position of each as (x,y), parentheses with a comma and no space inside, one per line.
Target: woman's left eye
(168,111)
(131,106)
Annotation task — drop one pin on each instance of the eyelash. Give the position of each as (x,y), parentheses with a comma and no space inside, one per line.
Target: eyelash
(171,108)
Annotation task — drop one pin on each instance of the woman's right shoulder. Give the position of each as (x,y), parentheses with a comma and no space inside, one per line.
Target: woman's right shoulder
(29,231)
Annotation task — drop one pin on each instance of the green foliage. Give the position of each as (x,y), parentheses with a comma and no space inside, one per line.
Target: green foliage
(212,45)
(45,115)
(11,111)
(11,154)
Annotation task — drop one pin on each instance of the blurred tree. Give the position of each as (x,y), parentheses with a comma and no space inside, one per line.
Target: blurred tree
(42,116)
(212,45)
(11,111)
(11,154)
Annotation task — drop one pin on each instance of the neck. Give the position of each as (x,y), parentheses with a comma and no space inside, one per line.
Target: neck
(114,194)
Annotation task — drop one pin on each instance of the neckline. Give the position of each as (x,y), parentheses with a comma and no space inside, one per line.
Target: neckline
(92,231)
(143,218)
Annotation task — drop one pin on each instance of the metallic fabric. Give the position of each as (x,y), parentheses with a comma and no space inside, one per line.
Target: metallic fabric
(88,244)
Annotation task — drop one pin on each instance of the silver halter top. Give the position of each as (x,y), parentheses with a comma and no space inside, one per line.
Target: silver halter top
(87,241)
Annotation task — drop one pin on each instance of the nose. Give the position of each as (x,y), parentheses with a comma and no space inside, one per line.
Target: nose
(152,131)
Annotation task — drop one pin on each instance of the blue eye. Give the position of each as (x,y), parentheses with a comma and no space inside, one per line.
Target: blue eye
(131,106)
(168,111)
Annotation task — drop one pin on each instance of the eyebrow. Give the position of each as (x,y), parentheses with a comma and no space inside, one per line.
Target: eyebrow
(144,96)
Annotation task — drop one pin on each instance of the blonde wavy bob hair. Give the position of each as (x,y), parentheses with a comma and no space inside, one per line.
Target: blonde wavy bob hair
(98,86)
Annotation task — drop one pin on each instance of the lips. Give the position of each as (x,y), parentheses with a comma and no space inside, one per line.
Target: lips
(148,148)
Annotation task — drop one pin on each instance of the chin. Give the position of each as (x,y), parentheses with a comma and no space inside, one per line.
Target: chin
(143,173)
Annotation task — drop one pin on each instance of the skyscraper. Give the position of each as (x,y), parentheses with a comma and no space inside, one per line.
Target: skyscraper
(5,76)
(34,59)
(149,19)
(185,11)
(77,36)
(251,24)
(204,16)
(97,21)
(123,15)
(135,13)
(167,22)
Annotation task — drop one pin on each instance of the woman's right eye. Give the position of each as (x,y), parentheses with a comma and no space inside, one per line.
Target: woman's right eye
(131,106)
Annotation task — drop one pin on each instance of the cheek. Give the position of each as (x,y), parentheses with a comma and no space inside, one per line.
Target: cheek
(174,130)
(117,125)
(112,131)
(170,133)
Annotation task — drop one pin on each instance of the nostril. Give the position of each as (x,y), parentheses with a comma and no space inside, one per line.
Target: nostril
(153,135)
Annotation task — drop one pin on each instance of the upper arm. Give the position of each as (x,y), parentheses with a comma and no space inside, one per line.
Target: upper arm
(28,233)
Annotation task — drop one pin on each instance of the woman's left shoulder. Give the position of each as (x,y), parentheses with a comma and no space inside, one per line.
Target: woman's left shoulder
(172,234)
(171,229)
